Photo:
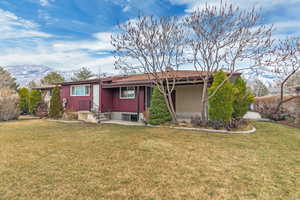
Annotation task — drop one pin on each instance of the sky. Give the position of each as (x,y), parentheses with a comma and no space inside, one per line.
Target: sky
(70,34)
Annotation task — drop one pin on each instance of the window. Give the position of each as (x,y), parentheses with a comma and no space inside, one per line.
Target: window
(80,90)
(127,92)
(130,117)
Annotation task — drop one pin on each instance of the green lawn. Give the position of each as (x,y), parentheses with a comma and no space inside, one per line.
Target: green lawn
(48,160)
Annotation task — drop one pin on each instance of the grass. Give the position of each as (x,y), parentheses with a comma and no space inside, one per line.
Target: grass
(49,160)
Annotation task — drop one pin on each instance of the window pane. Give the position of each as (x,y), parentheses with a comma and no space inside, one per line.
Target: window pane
(128,92)
(80,90)
(87,88)
(123,92)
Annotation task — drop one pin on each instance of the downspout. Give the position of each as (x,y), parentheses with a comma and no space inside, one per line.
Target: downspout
(138,103)
(100,95)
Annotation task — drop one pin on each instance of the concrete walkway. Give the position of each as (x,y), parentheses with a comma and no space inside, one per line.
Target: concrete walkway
(120,122)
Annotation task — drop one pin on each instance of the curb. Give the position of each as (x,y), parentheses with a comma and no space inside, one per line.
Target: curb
(64,121)
(253,130)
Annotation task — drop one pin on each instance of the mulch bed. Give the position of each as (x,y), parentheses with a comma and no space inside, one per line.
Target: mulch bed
(289,123)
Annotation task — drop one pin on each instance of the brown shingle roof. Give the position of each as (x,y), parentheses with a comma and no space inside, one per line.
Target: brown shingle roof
(172,74)
(180,74)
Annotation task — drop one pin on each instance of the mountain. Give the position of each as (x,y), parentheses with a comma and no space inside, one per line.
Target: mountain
(26,73)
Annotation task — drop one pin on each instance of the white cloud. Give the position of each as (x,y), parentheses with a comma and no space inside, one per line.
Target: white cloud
(283,26)
(13,27)
(45,2)
(126,8)
(10,19)
(125,4)
(64,55)
(100,43)
(265,4)
(58,60)
(60,54)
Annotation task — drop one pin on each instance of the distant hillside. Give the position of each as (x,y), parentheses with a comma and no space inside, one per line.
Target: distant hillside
(26,73)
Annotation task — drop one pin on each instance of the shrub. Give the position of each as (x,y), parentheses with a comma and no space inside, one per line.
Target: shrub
(267,107)
(196,120)
(220,105)
(8,105)
(56,108)
(216,124)
(34,99)
(159,112)
(242,99)
(24,100)
(41,110)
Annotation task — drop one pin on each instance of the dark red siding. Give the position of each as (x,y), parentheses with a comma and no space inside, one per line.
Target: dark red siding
(106,100)
(76,103)
(111,101)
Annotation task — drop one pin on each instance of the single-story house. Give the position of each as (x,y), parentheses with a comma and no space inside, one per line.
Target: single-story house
(127,97)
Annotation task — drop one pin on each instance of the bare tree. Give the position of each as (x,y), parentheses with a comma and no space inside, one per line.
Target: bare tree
(154,46)
(259,88)
(287,64)
(226,38)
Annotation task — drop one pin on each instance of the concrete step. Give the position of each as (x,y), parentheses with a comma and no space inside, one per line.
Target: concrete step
(92,117)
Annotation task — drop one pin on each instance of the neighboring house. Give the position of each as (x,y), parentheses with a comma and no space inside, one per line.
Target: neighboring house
(127,97)
(46,91)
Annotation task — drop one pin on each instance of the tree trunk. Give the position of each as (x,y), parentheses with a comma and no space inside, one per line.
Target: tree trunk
(173,113)
(204,115)
(282,91)
(170,107)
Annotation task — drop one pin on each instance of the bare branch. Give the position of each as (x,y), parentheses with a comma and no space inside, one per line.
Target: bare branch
(154,46)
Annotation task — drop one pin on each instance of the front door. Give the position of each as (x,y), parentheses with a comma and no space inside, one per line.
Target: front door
(96,98)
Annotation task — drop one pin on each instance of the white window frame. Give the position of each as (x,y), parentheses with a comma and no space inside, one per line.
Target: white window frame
(86,95)
(127,97)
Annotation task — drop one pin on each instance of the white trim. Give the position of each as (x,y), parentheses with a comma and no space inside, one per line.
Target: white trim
(120,92)
(96,97)
(80,95)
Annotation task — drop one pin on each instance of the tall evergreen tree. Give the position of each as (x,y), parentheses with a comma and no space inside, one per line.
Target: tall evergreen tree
(34,99)
(242,98)
(159,112)
(220,105)
(56,108)
(6,80)
(24,100)
(83,74)
(52,77)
